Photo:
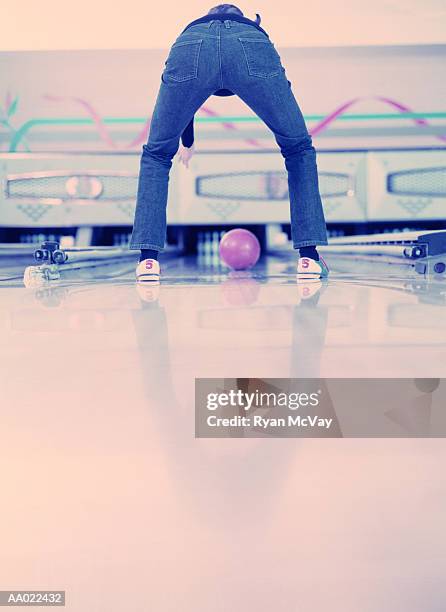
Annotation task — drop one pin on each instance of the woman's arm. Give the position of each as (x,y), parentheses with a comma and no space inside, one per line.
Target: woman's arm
(187,137)
(187,149)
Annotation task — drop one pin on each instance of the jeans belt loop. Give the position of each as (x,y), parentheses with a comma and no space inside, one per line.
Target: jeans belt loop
(227,23)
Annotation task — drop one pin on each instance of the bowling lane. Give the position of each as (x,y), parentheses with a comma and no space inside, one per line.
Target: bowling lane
(212,322)
(104,477)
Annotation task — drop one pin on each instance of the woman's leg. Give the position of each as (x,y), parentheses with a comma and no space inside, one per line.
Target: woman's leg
(149,227)
(260,81)
(148,254)
(180,95)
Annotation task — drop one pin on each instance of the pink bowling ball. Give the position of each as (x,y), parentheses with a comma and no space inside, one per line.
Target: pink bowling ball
(239,249)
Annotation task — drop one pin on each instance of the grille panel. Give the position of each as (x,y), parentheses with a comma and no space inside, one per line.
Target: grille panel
(98,186)
(266,185)
(418,182)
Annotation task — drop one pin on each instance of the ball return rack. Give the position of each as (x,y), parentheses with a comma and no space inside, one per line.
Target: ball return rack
(419,252)
(51,260)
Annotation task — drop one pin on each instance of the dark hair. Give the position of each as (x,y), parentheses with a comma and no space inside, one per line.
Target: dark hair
(226,8)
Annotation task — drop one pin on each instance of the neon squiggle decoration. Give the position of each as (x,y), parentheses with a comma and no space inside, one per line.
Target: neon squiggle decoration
(229,126)
(320,127)
(102,130)
(314,131)
(101,127)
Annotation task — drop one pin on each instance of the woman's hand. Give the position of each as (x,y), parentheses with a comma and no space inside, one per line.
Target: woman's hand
(185,153)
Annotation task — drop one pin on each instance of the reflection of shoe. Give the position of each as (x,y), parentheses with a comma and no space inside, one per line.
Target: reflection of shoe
(310,269)
(148,292)
(307,290)
(148,271)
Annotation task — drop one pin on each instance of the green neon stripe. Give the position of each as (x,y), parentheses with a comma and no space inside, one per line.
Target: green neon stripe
(347,117)
(247,118)
(236,119)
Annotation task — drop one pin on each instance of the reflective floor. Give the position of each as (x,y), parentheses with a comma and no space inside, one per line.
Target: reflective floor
(108,495)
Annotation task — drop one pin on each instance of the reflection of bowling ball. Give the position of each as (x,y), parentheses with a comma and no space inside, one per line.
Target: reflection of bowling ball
(239,249)
(240,290)
(426,385)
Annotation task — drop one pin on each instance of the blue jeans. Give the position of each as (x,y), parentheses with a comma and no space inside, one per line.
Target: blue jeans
(226,55)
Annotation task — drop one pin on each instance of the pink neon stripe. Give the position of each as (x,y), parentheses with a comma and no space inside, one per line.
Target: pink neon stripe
(103,132)
(341,110)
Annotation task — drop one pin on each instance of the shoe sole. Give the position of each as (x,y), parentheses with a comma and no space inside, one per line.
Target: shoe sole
(308,278)
(311,276)
(148,278)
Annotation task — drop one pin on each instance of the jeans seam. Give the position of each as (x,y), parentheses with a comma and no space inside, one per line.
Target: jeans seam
(219,55)
(303,243)
(145,245)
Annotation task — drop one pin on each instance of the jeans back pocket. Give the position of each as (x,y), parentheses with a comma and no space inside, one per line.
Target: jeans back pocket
(182,61)
(261,57)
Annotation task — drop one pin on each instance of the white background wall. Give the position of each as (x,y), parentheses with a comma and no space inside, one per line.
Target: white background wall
(124,83)
(136,24)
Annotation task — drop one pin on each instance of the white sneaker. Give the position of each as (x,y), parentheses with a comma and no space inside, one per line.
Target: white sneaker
(148,271)
(310,269)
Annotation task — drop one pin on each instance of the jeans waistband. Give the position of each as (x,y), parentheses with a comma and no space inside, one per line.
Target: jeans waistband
(227,22)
